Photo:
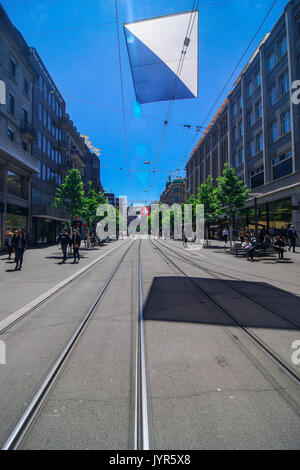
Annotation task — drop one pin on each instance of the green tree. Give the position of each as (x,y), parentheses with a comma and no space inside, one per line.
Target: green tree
(231,193)
(70,194)
(207,196)
(91,201)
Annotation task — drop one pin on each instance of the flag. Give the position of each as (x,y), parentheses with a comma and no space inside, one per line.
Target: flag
(155,48)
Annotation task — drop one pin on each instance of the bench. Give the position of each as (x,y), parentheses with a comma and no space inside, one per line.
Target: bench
(260,249)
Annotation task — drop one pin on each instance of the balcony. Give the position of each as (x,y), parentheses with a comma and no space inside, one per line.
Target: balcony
(63,146)
(77,160)
(27,130)
(64,122)
(11,152)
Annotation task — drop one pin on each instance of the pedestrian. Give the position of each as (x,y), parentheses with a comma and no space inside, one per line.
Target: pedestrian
(242,235)
(225,235)
(75,242)
(292,236)
(248,247)
(185,240)
(64,239)
(19,245)
(9,244)
(279,246)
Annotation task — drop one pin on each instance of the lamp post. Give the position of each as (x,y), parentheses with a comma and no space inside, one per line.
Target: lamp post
(255,196)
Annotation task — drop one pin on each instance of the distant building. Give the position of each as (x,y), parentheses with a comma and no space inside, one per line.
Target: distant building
(257,130)
(112,199)
(174,192)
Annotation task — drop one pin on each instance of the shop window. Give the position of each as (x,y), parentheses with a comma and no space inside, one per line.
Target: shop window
(16,185)
(282,165)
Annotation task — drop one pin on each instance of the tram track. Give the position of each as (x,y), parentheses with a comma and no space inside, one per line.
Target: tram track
(24,423)
(239,291)
(279,361)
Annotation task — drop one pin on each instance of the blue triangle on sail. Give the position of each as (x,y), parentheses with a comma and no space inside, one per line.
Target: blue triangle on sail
(153,79)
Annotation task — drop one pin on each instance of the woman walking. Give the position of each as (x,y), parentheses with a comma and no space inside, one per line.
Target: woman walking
(19,245)
(75,242)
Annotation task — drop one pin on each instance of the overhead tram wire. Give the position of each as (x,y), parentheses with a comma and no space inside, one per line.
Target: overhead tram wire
(175,85)
(231,75)
(122,89)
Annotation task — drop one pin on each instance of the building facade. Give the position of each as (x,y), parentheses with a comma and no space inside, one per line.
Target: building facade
(38,142)
(174,192)
(49,148)
(17,163)
(257,130)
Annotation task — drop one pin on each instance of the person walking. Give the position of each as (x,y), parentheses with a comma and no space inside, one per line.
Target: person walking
(292,236)
(225,235)
(75,242)
(64,239)
(9,244)
(279,246)
(19,245)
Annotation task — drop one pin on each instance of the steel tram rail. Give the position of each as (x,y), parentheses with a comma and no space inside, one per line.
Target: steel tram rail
(239,291)
(21,428)
(264,347)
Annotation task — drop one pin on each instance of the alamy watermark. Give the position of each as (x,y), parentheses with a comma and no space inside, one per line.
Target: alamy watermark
(296,353)
(157,221)
(2,92)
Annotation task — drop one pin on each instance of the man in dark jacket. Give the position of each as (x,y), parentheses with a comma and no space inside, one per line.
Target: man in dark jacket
(64,239)
(292,235)
(75,242)
(19,243)
(279,246)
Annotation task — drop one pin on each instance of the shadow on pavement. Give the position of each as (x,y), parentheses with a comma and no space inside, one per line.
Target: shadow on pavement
(176,299)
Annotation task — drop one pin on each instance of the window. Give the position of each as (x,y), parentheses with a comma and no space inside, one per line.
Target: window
(41,85)
(285,120)
(239,102)
(45,91)
(250,89)
(271,60)
(176,190)
(240,128)
(259,142)
(39,175)
(49,149)
(257,177)
(45,118)
(250,118)
(234,134)
(234,109)
(282,165)
(40,140)
(24,117)
(53,130)
(258,110)
(44,145)
(48,174)
(257,79)
(12,67)
(10,134)
(49,98)
(59,157)
(176,199)
(24,146)
(251,148)
(274,131)
(53,154)
(284,83)
(241,156)
(11,103)
(272,95)
(49,123)
(53,102)
(282,46)
(44,172)
(15,185)
(235,160)
(25,86)
(40,112)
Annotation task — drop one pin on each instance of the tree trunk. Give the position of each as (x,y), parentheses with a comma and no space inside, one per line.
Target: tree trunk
(230,229)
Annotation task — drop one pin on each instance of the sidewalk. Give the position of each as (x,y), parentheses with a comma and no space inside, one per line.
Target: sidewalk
(42,270)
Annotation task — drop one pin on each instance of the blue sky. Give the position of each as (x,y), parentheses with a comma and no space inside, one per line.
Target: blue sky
(84,64)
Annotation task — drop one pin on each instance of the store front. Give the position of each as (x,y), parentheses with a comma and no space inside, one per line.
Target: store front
(45,231)
(16,218)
